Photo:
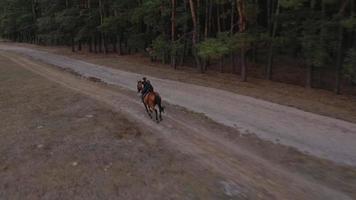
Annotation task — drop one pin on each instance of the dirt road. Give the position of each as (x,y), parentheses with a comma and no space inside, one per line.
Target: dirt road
(57,143)
(248,167)
(321,136)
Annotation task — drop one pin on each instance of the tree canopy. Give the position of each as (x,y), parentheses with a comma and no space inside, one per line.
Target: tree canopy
(319,33)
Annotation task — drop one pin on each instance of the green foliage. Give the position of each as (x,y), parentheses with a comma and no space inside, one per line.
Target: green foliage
(349,23)
(300,29)
(110,25)
(252,11)
(176,48)
(46,24)
(292,3)
(161,47)
(68,20)
(8,25)
(329,2)
(148,12)
(212,48)
(313,50)
(25,23)
(225,43)
(137,41)
(350,65)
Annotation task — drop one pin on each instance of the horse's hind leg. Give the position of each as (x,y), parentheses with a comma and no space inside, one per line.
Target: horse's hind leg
(160,115)
(156,115)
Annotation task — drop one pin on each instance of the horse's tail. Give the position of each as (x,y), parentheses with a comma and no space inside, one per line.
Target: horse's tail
(159,102)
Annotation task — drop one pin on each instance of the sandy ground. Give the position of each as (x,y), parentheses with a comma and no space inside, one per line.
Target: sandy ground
(73,131)
(305,131)
(59,144)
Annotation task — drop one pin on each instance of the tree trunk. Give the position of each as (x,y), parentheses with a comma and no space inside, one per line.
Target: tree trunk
(309,73)
(195,34)
(114,44)
(323,13)
(90,44)
(271,46)
(223,20)
(79,45)
(105,40)
(73,45)
(232,21)
(185,30)
(309,77)
(95,44)
(198,20)
(173,35)
(233,62)
(340,49)
(338,69)
(120,46)
(100,43)
(268,10)
(242,15)
(34,11)
(210,16)
(352,14)
(101,22)
(206,29)
(206,64)
(218,18)
(221,63)
(206,22)
(242,28)
(243,66)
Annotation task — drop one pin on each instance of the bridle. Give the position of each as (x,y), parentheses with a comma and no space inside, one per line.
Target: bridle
(139,86)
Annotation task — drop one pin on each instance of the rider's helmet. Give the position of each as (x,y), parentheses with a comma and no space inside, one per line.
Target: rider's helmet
(144,79)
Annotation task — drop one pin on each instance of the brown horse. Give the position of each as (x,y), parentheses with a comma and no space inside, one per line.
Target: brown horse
(150,101)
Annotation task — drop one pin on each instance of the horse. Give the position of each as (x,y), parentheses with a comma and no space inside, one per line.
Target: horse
(150,101)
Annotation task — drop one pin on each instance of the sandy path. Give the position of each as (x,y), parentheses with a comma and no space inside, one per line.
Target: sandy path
(319,135)
(46,128)
(245,174)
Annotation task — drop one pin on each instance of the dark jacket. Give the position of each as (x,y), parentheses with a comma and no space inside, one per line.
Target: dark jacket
(147,87)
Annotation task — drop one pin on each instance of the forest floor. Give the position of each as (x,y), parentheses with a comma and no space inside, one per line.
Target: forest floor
(65,136)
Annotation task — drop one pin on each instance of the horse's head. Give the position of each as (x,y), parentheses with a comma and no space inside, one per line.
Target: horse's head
(139,86)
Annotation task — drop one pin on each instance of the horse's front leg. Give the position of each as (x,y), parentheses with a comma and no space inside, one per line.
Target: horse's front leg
(148,112)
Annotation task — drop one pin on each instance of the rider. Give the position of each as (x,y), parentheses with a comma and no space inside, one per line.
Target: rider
(147,87)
